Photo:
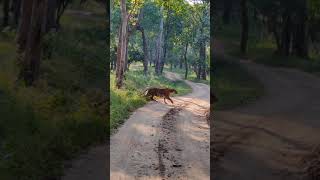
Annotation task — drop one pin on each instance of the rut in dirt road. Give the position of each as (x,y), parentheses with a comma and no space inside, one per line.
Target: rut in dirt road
(169,149)
(162,141)
(269,138)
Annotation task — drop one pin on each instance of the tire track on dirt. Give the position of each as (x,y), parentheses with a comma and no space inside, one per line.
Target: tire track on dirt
(169,149)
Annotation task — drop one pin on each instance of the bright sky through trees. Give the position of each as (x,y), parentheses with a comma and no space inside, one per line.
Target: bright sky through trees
(194,1)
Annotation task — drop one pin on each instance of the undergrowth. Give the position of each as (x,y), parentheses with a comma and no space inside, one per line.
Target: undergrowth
(42,127)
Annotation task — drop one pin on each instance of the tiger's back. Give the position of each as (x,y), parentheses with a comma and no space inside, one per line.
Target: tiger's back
(160,92)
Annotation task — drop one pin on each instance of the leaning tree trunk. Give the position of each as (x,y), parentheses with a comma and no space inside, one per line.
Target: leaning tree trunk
(159,53)
(244,27)
(122,45)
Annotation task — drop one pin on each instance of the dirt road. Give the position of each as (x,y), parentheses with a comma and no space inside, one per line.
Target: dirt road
(158,141)
(268,139)
(162,141)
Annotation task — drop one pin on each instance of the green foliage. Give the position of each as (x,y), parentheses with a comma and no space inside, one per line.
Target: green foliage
(314,8)
(151,17)
(176,5)
(182,23)
(78,48)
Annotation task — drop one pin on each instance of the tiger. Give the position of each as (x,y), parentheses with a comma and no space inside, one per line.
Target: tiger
(160,92)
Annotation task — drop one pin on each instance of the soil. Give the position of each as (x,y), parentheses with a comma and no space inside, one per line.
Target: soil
(269,138)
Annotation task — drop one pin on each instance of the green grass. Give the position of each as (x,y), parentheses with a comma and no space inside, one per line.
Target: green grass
(41,127)
(234,85)
(129,98)
(34,146)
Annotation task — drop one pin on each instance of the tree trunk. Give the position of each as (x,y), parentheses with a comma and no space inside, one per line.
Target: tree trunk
(166,42)
(244,27)
(62,5)
(24,26)
(151,56)
(159,53)
(181,61)
(126,63)
(30,42)
(277,38)
(113,58)
(202,63)
(16,11)
(52,22)
(286,35)
(145,52)
(122,45)
(186,61)
(227,9)
(111,64)
(301,36)
(6,9)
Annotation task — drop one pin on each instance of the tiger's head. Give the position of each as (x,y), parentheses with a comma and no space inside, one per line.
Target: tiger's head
(173,91)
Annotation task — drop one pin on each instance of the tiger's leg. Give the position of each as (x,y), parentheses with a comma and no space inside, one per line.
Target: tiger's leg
(164,99)
(170,99)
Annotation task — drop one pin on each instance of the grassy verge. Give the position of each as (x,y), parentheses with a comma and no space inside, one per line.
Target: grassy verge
(261,50)
(43,126)
(234,85)
(129,98)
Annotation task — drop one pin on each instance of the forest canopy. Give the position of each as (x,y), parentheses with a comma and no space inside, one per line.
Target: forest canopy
(293,25)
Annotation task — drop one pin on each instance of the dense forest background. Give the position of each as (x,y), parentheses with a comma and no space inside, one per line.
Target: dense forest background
(276,32)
